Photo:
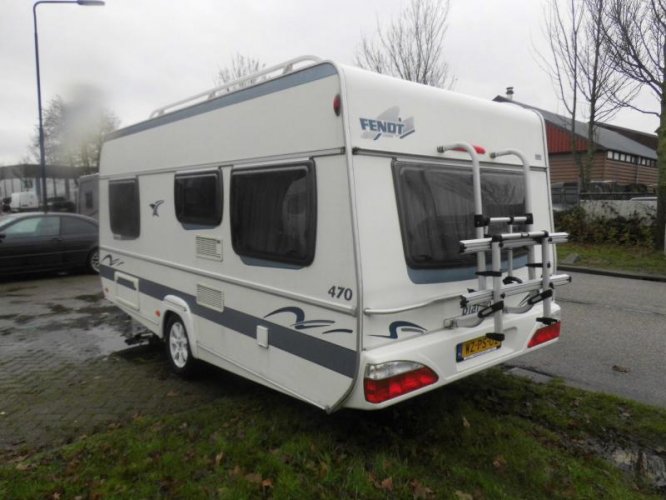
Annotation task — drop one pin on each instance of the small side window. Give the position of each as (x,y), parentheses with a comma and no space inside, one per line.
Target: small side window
(124,212)
(198,198)
(274,213)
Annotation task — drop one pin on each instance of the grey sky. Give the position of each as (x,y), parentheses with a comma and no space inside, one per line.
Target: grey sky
(142,54)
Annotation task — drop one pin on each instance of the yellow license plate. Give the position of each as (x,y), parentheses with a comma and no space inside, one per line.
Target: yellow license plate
(474,347)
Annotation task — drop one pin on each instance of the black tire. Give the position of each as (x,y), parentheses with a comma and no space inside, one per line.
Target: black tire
(178,351)
(92,263)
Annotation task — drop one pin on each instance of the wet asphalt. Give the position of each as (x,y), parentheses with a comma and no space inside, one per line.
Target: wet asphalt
(613,338)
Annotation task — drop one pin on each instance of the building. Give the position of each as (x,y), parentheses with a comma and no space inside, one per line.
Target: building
(60,180)
(625,159)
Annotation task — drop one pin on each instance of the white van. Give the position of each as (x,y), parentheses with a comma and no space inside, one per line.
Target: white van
(23,201)
(325,232)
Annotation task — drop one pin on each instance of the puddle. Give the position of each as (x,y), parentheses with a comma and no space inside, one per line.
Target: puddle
(643,464)
(58,309)
(92,298)
(108,340)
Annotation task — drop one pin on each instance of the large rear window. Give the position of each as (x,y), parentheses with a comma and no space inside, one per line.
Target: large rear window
(436,209)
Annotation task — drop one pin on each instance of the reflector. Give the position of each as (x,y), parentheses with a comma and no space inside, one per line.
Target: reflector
(337,105)
(479,149)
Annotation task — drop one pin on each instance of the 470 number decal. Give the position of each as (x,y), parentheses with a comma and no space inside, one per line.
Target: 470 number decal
(340,292)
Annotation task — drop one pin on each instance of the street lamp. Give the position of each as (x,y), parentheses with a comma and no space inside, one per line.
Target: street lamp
(42,161)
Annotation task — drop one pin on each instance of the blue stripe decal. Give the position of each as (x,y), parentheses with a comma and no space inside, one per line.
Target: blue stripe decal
(332,356)
(295,79)
(126,283)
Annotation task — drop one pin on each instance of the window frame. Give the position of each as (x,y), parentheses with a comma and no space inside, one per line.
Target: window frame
(309,167)
(219,199)
(137,205)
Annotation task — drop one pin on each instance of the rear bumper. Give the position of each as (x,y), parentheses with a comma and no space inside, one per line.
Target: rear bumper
(437,351)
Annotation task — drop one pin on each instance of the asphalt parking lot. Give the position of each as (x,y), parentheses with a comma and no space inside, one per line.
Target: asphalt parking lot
(66,371)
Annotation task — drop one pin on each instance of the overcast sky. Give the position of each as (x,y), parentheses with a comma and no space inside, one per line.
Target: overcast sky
(142,54)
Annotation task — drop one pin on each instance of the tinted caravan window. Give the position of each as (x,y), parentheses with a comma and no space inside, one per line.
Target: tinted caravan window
(198,198)
(274,213)
(436,208)
(124,208)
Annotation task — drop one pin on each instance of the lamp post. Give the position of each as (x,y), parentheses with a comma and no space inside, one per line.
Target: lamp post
(42,160)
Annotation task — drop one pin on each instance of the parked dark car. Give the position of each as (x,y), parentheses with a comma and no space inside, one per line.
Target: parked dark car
(60,204)
(39,242)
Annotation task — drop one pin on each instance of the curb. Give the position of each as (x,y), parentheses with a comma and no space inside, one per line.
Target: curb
(615,274)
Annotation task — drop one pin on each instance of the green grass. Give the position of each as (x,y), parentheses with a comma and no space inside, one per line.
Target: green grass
(489,436)
(615,257)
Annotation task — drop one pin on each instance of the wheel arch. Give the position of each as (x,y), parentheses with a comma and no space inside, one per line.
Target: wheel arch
(173,305)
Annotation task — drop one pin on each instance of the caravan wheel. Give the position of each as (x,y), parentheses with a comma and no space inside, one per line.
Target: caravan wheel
(178,348)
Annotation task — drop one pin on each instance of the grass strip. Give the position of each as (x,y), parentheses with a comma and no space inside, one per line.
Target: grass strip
(615,257)
(491,435)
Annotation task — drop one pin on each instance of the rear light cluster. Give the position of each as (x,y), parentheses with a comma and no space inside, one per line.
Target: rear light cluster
(389,380)
(545,334)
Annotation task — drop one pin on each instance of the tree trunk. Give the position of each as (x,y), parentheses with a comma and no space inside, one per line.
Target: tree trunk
(661,172)
(591,150)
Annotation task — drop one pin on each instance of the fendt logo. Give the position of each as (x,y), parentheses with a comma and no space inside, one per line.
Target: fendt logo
(387,124)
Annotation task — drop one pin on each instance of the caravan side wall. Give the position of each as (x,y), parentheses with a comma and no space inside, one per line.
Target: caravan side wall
(272,321)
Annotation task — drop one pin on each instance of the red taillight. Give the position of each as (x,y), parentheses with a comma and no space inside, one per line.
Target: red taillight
(545,334)
(378,390)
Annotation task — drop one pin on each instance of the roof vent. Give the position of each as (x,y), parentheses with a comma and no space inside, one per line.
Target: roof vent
(509,93)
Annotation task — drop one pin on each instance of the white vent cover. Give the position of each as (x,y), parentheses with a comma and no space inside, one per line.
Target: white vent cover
(209,248)
(210,297)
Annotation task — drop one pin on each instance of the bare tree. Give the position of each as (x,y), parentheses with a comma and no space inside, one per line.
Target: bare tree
(411,46)
(241,66)
(636,37)
(581,67)
(74,132)
(563,31)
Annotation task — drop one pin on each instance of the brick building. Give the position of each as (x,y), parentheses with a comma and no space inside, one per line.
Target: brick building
(624,158)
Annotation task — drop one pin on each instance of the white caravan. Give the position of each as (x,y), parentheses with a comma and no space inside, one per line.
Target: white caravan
(349,239)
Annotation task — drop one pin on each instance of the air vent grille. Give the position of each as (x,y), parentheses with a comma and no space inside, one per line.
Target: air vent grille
(209,248)
(210,297)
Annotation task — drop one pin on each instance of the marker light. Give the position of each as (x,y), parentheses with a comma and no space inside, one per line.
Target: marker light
(479,149)
(545,334)
(389,380)
(337,105)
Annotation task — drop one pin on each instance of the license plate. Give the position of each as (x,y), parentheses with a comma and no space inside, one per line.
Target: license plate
(475,347)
